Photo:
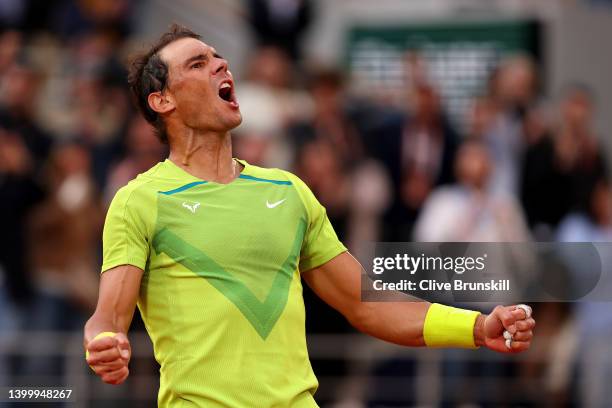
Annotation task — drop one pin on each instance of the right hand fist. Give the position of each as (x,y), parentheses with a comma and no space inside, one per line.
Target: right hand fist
(516,321)
(109,358)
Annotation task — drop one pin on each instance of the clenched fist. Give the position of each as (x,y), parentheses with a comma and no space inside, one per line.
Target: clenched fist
(109,356)
(516,320)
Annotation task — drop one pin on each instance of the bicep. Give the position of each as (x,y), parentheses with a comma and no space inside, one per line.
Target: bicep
(118,294)
(337,282)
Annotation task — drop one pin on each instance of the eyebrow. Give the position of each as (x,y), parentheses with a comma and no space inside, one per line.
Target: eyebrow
(199,57)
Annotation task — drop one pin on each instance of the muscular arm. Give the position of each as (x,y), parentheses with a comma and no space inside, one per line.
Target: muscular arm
(117,298)
(109,356)
(338,283)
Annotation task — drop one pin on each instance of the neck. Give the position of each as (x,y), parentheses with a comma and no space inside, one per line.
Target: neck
(205,155)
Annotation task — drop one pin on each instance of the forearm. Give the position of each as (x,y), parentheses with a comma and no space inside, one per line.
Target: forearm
(402,322)
(396,322)
(119,289)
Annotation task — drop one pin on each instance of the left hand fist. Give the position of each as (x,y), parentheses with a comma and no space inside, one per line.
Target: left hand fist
(515,320)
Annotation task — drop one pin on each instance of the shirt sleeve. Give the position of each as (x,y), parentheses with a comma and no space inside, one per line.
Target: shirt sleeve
(125,239)
(321,243)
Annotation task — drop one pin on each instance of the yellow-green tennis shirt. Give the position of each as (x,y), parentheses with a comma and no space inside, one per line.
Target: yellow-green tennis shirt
(221,294)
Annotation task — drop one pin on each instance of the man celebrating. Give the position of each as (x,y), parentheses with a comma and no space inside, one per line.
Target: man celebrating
(213,250)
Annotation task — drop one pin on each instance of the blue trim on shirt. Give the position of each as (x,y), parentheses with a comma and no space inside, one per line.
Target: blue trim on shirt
(183,188)
(280,182)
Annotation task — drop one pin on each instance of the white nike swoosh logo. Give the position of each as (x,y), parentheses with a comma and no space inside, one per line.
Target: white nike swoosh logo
(276,204)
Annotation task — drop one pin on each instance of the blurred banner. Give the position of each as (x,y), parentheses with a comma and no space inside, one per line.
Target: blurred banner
(459,56)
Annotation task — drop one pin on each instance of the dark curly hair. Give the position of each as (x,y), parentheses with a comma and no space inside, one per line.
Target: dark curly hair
(148,73)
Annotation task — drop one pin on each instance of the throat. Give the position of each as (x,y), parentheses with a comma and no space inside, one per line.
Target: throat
(207,156)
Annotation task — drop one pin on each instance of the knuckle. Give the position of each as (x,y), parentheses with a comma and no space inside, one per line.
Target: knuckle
(101,370)
(526,335)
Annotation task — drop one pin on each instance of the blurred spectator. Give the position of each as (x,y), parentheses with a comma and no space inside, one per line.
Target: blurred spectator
(74,18)
(98,109)
(418,151)
(321,168)
(269,103)
(560,172)
(10,44)
(472,211)
(63,237)
(512,92)
(20,89)
(68,18)
(19,191)
(594,225)
(481,117)
(593,316)
(23,150)
(468,210)
(280,22)
(69,221)
(331,121)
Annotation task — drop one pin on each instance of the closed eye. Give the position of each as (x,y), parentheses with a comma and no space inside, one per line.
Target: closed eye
(197,65)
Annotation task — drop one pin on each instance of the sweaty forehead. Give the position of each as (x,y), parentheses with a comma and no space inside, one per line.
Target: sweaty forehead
(179,51)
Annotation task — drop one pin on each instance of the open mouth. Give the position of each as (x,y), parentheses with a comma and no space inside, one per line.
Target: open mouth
(226,92)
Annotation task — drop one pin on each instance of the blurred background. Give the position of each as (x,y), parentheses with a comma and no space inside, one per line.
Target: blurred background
(438,120)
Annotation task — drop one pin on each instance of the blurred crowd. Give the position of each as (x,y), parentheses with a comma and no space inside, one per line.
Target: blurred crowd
(526,168)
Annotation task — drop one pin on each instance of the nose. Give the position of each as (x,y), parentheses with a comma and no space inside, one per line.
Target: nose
(222,67)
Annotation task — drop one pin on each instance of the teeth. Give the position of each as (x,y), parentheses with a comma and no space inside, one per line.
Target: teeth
(225,85)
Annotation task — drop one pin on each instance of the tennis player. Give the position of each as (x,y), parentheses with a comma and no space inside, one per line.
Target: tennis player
(214,251)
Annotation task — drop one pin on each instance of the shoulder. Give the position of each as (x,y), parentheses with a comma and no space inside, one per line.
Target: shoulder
(272,175)
(281,176)
(142,187)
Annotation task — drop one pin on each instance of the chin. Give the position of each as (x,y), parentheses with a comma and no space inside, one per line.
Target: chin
(235,122)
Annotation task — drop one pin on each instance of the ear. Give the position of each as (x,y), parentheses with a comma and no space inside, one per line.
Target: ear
(161,102)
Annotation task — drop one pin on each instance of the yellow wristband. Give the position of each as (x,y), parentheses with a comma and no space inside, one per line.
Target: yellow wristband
(447,326)
(98,336)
